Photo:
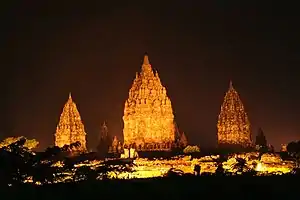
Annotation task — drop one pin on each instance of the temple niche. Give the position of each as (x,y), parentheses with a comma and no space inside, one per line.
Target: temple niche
(70,128)
(148,115)
(233,123)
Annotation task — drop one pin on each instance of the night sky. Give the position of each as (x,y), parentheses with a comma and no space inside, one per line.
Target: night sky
(95,50)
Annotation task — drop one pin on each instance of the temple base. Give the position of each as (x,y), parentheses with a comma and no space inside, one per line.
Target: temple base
(168,146)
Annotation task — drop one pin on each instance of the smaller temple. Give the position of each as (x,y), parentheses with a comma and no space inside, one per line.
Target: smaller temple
(116,146)
(180,137)
(104,141)
(283,148)
(70,129)
(183,142)
(261,139)
(233,123)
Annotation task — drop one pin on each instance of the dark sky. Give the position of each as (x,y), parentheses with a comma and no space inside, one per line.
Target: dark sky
(94,51)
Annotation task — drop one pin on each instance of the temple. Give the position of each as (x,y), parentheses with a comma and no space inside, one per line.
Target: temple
(180,137)
(183,142)
(148,115)
(233,124)
(116,146)
(104,141)
(70,128)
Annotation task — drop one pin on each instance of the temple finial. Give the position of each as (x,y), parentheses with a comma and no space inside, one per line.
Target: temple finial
(146,59)
(70,95)
(230,84)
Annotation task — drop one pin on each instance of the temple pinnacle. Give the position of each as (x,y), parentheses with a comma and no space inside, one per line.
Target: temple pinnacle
(230,84)
(146,60)
(70,95)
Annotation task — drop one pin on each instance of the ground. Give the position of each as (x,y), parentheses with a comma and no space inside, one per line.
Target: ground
(279,187)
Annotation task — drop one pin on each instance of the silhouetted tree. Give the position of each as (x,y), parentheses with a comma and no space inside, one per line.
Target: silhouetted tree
(220,170)
(293,149)
(197,170)
(104,141)
(261,140)
(85,173)
(75,145)
(52,151)
(15,162)
(29,143)
(45,172)
(240,166)
(43,169)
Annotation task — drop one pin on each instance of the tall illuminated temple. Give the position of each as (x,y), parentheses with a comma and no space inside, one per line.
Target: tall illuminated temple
(233,124)
(70,128)
(148,115)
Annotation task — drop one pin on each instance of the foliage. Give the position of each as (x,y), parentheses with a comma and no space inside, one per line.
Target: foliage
(220,170)
(191,149)
(19,165)
(294,150)
(85,173)
(30,144)
(115,167)
(293,147)
(261,138)
(241,166)
(15,162)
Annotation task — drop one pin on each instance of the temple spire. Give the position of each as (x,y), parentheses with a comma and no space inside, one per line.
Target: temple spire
(70,96)
(104,140)
(104,130)
(146,60)
(146,67)
(230,84)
